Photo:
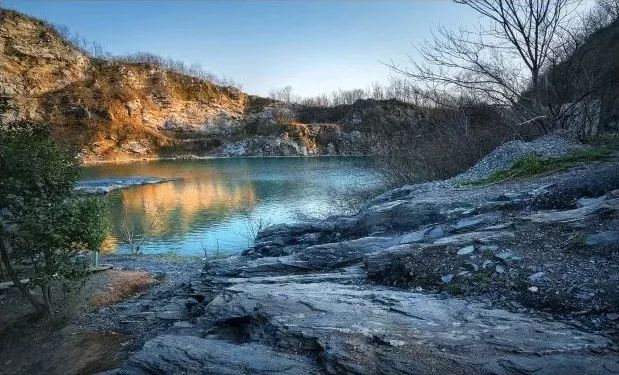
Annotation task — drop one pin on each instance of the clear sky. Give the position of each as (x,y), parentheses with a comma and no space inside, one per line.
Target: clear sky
(314,46)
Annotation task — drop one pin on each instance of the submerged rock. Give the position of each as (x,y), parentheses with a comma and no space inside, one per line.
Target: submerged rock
(106,185)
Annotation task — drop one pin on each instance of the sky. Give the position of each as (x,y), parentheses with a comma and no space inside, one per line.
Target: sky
(313,46)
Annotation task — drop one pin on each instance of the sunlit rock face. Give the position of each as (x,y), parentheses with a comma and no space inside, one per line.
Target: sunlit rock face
(114,110)
(35,61)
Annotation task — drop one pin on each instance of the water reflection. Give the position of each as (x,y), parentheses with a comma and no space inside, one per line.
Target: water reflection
(216,205)
(173,207)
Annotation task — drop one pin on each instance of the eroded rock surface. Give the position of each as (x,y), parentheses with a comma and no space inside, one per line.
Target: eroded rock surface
(519,278)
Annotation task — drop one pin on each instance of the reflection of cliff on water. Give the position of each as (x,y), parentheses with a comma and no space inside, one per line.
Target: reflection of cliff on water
(174,207)
(214,205)
(203,194)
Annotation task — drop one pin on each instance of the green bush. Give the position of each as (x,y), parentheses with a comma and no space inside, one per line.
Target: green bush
(45,225)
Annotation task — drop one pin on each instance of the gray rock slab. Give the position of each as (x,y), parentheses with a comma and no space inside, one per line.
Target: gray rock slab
(474,237)
(611,204)
(314,258)
(363,329)
(602,239)
(467,250)
(169,354)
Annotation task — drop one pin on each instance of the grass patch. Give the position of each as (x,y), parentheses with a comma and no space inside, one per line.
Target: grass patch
(531,165)
(482,277)
(576,243)
(453,289)
(608,141)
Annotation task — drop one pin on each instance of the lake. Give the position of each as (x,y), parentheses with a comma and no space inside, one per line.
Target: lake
(217,205)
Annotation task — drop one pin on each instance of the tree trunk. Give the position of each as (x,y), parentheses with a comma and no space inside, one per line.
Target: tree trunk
(6,261)
(46,290)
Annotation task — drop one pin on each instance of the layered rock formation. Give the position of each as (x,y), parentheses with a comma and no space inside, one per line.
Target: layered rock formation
(116,109)
(111,109)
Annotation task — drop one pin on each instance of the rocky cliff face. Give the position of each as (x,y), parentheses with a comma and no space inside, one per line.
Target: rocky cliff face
(590,73)
(114,110)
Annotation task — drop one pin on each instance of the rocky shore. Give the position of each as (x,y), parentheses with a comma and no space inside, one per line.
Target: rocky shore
(512,278)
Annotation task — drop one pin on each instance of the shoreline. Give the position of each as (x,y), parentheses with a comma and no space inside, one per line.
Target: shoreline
(196,157)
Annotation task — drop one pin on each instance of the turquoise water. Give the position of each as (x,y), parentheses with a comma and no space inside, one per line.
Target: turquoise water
(217,205)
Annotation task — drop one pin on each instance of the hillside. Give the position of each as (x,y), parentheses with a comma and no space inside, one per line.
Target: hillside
(113,110)
(118,110)
(123,110)
(590,73)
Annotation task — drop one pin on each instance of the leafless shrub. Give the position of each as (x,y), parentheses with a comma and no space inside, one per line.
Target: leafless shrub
(130,230)
(397,88)
(194,70)
(95,50)
(351,200)
(212,253)
(442,142)
(253,226)
(88,47)
(602,14)
(283,94)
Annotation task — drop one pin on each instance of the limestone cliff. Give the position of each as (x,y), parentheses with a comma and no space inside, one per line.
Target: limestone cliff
(118,109)
(110,109)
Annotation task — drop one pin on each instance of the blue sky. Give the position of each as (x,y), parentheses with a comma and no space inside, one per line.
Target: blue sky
(314,46)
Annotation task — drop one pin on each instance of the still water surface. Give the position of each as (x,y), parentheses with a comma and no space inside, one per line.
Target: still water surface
(216,205)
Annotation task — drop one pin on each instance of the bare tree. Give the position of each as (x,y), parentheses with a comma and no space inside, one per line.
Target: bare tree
(608,7)
(530,27)
(600,15)
(135,237)
(316,101)
(283,94)
(377,91)
(341,97)
(500,63)
(577,76)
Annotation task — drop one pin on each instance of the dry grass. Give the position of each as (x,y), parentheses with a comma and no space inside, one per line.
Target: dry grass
(121,285)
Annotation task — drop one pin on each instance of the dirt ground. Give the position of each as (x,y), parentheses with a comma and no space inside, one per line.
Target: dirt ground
(29,344)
